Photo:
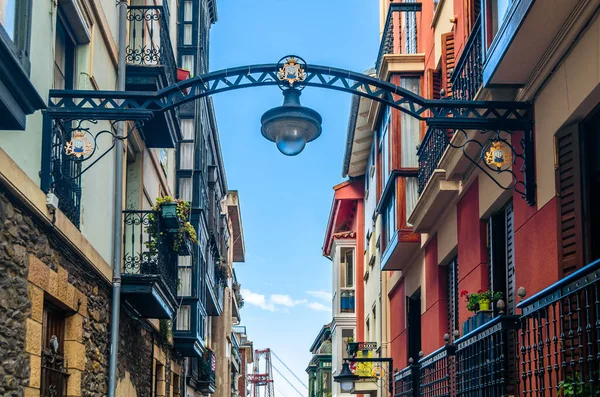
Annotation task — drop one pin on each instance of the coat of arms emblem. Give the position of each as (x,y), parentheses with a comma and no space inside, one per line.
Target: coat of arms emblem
(499,155)
(78,146)
(291,71)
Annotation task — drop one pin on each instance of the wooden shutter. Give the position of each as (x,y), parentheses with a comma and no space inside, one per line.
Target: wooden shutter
(510,259)
(568,190)
(434,81)
(448,62)
(452,295)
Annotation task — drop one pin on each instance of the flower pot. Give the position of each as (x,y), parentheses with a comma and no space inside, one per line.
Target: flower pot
(484,305)
(168,213)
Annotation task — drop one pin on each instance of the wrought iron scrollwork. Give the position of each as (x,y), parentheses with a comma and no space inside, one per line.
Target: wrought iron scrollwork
(147,249)
(515,157)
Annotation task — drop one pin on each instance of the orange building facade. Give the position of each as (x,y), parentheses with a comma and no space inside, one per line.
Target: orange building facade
(444,225)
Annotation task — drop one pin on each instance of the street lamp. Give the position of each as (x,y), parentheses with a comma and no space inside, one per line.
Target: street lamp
(291,125)
(346,378)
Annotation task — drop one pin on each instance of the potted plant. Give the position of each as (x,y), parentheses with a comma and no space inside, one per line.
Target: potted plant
(174,214)
(478,303)
(222,272)
(574,386)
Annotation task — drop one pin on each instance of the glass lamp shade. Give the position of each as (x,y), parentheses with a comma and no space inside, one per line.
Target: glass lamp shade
(291,125)
(346,386)
(346,378)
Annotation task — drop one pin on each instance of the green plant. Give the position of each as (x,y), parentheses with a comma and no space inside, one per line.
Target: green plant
(166,331)
(222,273)
(186,231)
(574,386)
(474,298)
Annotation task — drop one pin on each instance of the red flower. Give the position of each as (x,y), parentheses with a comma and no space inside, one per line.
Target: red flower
(464,292)
(480,291)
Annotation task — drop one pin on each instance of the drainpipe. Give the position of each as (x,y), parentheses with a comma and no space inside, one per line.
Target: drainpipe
(118,211)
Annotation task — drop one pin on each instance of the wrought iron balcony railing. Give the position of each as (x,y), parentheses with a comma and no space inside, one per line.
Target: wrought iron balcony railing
(406,381)
(437,373)
(467,77)
(560,337)
(202,376)
(355,347)
(486,359)
(406,38)
(146,251)
(149,39)
(61,173)
(430,152)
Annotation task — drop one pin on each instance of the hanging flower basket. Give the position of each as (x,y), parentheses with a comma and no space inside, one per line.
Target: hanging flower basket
(168,214)
(174,214)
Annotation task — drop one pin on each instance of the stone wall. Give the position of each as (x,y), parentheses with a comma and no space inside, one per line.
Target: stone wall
(35,265)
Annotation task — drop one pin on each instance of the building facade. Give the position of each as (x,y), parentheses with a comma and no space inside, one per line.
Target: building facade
(57,207)
(343,245)
(319,367)
(449,221)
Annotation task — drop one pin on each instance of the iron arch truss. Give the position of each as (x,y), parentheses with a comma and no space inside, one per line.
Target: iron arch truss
(476,117)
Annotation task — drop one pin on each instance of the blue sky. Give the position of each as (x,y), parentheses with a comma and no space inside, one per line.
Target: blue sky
(285,201)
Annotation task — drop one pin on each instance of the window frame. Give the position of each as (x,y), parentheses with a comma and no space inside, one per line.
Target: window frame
(20,43)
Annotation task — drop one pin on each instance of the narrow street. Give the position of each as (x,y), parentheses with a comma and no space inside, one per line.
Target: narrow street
(419,183)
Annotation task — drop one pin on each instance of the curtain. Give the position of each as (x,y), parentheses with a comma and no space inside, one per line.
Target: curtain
(410,31)
(185,275)
(184,318)
(185,189)
(410,127)
(186,155)
(412,195)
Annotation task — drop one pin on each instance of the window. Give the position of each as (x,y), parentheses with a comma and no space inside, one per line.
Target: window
(176,384)
(410,129)
(413,307)
(410,30)
(64,56)
(374,317)
(159,380)
(347,267)
(54,373)
(410,126)
(389,220)
(188,63)
(384,147)
(15,19)
(184,315)
(501,245)
(185,189)
(498,10)
(347,337)
(164,158)
(8,12)
(185,271)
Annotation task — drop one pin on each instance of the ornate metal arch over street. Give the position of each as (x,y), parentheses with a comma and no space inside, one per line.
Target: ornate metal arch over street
(475,119)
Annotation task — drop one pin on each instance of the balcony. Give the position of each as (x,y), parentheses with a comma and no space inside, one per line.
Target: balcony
(149,274)
(202,373)
(520,51)
(215,293)
(467,77)
(151,66)
(435,192)
(18,96)
(560,330)
(398,47)
(481,363)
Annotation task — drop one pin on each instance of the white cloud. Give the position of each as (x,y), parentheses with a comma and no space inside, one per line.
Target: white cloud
(323,295)
(252,298)
(319,307)
(285,300)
